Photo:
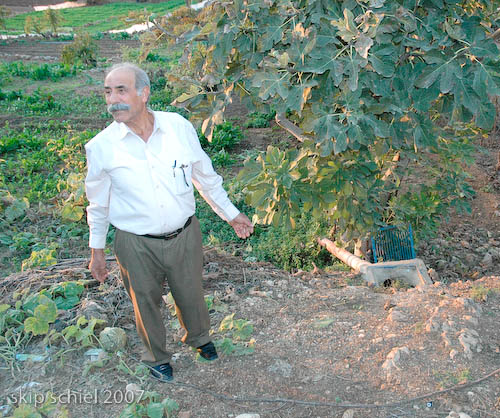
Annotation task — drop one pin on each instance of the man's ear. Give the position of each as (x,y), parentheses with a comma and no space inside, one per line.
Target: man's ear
(146,91)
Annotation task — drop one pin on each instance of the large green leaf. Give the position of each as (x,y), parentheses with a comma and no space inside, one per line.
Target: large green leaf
(485,49)
(447,80)
(465,95)
(429,76)
(155,410)
(271,83)
(16,209)
(382,65)
(485,116)
(423,134)
(272,35)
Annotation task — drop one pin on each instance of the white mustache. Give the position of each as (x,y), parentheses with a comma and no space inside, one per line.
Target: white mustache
(118,106)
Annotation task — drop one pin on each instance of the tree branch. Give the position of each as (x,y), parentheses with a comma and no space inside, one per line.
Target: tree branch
(495,35)
(290,127)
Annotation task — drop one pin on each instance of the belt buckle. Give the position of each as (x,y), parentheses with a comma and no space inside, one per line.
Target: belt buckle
(171,235)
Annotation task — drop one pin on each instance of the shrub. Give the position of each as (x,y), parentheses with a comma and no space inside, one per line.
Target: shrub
(52,18)
(292,248)
(33,24)
(4,13)
(82,50)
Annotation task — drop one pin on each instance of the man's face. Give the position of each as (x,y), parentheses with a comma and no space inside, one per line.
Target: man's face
(121,94)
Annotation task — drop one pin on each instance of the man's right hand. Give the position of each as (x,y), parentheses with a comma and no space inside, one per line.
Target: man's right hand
(98,265)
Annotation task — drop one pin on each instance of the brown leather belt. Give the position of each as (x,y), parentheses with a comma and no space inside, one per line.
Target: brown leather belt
(171,234)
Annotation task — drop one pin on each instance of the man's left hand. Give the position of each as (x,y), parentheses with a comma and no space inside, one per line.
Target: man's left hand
(242,226)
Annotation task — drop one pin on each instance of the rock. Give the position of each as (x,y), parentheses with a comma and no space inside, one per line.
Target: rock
(487,260)
(136,390)
(281,367)
(113,338)
(96,354)
(454,414)
(393,359)
(397,316)
(348,414)
(446,339)
(184,414)
(91,309)
(469,339)
(175,357)
(453,353)
(432,325)
(433,274)
(495,252)
(248,416)
(472,319)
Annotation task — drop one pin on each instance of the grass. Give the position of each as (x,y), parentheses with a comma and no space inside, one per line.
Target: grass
(93,19)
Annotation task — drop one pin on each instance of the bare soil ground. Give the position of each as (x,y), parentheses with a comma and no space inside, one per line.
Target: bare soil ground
(325,344)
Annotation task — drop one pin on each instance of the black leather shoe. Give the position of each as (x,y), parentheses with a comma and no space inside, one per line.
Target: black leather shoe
(208,351)
(163,372)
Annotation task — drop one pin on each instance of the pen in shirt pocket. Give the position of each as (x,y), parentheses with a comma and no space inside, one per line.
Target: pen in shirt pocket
(173,167)
(182,167)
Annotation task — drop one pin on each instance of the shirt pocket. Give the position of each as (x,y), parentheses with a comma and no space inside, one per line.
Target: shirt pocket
(182,177)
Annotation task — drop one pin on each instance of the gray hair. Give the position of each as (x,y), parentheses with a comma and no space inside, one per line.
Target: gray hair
(141,78)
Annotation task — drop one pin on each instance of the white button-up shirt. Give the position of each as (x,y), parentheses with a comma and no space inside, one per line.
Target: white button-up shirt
(147,187)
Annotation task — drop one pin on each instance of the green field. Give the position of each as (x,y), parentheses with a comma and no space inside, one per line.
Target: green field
(92,19)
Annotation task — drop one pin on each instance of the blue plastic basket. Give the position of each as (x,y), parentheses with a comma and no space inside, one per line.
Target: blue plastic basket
(393,244)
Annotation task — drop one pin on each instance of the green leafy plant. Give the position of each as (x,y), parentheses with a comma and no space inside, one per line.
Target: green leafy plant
(66,295)
(292,249)
(222,158)
(34,71)
(40,258)
(454,378)
(74,205)
(259,119)
(225,137)
(236,340)
(49,408)
(82,332)
(151,406)
(42,311)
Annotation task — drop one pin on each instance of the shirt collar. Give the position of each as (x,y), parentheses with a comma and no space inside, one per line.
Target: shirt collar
(124,130)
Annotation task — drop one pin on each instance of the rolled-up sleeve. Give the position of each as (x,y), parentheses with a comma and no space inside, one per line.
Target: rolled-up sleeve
(208,182)
(97,188)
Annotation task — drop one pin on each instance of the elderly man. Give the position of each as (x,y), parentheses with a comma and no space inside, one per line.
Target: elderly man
(141,172)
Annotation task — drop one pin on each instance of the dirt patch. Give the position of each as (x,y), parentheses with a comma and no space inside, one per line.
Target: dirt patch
(322,346)
(35,49)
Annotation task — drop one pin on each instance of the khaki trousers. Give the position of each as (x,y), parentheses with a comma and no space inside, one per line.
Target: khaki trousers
(145,263)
